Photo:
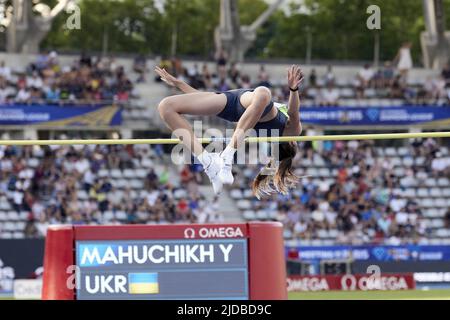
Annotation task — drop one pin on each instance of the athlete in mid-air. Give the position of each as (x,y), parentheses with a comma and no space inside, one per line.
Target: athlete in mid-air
(251,109)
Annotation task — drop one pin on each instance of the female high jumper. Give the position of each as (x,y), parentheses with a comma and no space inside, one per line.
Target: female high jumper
(251,109)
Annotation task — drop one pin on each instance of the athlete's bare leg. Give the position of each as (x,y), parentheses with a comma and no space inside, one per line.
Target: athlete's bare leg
(172,109)
(254,107)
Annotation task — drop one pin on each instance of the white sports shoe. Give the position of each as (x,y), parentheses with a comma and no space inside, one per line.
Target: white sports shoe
(213,172)
(226,174)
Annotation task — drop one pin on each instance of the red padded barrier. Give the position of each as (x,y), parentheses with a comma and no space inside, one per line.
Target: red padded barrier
(266,261)
(59,255)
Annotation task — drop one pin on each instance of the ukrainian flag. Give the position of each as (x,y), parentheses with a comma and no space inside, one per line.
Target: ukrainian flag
(143,283)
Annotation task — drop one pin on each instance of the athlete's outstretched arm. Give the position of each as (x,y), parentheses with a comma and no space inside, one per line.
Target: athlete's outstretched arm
(295,78)
(174,82)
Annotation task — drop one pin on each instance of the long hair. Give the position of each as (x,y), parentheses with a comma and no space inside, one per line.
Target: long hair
(282,179)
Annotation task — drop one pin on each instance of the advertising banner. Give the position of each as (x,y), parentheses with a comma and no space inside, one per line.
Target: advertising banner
(350,282)
(28,289)
(374,252)
(370,116)
(67,115)
(6,279)
(19,259)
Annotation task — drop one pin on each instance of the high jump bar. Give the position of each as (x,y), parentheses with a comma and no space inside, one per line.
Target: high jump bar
(381,136)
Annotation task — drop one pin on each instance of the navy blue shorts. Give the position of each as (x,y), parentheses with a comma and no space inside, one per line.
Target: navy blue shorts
(233,111)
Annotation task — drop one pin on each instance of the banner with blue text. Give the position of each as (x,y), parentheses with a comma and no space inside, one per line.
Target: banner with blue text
(373,252)
(67,115)
(375,116)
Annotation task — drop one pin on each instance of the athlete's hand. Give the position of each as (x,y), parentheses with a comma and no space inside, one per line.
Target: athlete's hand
(295,76)
(166,77)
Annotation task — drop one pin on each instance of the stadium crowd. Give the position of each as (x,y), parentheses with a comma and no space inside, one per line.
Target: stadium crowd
(46,184)
(363,202)
(66,184)
(385,82)
(86,80)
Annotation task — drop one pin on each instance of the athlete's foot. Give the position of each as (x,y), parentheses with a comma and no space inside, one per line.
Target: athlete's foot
(226,175)
(213,170)
(227,156)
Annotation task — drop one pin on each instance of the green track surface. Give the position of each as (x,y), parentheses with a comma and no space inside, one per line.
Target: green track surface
(372,295)
(363,295)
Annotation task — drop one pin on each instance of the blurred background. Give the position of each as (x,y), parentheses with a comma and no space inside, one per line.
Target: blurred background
(84,69)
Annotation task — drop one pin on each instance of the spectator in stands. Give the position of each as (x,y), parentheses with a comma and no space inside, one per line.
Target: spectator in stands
(329,96)
(35,81)
(432,91)
(302,229)
(263,77)
(5,92)
(425,93)
(140,67)
(85,60)
(193,72)
(194,77)
(164,177)
(52,69)
(388,75)
(206,78)
(440,166)
(209,212)
(397,203)
(52,94)
(365,76)
(246,82)
(439,91)
(312,78)
(163,63)
(188,180)
(221,58)
(5,71)
(21,81)
(234,74)
(447,219)
(30,230)
(223,85)
(23,95)
(329,77)
(363,80)
(404,60)
(445,74)
(41,62)
(377,80)
(35,96)
(177,66)
(397,88)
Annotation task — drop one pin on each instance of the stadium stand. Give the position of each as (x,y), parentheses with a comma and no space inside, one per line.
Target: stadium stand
(84,81)
(94,185)
(388,195)
(366,87)
(357,193)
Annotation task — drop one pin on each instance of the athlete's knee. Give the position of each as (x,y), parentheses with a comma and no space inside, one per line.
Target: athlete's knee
(263,93)
(166,107)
